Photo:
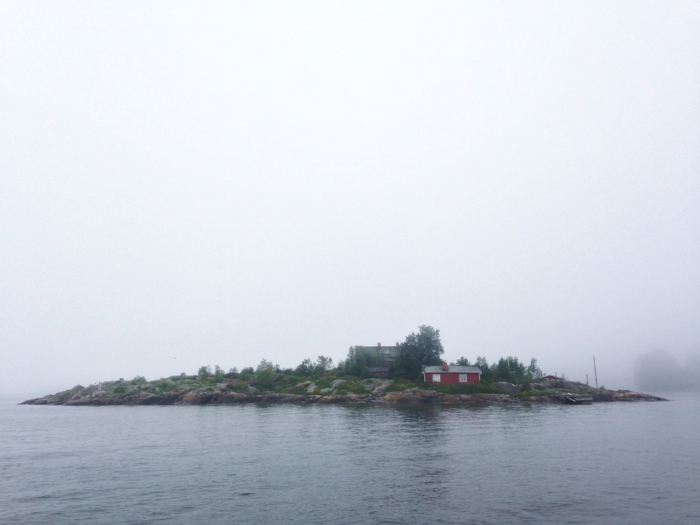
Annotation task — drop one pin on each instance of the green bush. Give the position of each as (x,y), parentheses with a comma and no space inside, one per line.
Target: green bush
(402,385)
(247,373)
(265,375)
(241,387)
(463,388)
(352,388)
(532,393)
(166,386)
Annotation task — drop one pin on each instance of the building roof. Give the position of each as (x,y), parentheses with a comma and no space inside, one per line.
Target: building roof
(388,353)
(439,369)
(386,350)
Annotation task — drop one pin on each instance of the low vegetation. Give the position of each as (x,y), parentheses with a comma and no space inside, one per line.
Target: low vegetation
(349,376)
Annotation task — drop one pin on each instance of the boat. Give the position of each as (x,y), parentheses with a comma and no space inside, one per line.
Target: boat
(576,399)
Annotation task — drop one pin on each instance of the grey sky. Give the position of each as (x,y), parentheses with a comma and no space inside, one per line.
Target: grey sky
(215,183)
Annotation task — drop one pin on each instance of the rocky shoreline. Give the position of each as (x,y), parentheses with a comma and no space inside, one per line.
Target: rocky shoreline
(174,392)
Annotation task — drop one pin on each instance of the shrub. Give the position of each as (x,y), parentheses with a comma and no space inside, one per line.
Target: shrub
(351,387)
(468,388)
(246,373)
(265,374)
(400,386)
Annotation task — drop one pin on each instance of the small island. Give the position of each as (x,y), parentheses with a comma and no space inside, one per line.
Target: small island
(410,372)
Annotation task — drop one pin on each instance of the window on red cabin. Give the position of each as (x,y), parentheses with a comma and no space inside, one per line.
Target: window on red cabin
(436,378)
(462,378)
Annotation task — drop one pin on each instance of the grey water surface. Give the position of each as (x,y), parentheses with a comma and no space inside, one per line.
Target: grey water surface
(605,463)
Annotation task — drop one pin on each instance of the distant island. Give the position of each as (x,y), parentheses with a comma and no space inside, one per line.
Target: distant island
(410,372)
(192,390)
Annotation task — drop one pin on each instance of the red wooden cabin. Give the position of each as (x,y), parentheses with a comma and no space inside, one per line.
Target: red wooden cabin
(451,374)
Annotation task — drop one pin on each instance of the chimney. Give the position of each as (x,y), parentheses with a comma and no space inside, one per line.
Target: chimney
(445,367)
(379,345)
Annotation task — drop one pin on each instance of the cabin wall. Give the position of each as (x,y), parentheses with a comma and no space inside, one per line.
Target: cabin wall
(452,377)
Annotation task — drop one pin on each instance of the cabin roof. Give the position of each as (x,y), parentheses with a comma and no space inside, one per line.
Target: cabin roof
(451,369)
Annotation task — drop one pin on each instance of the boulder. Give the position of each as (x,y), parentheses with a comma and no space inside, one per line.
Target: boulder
(311,389)
(537,399)
(392,397)
(151,399)
(337,383)
(332,399)
(382,386)
(412,396)
(486,398)
(356,398)
(427,394)
(508,387)
(195,398)
(281,398)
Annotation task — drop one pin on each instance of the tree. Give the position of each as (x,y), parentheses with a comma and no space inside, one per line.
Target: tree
(418,350)
(306,368)
(483,364)
(218,373)
(535,371)
(265,374)
(463,361)
(508,369)
(359,361)
(204,372)
(323,364)
(247,373)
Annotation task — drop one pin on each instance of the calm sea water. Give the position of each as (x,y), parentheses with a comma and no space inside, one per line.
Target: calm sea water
(636,463)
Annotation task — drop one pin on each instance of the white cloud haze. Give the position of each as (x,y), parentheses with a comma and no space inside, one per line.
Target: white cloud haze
(187,183)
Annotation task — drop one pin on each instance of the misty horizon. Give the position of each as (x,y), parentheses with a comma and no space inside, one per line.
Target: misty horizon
(185,185)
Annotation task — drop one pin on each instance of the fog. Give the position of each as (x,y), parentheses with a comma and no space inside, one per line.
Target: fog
(187,184)
(660,371)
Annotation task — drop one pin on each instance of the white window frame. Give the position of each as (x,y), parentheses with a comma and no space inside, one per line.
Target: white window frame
(436,378)
(462,378)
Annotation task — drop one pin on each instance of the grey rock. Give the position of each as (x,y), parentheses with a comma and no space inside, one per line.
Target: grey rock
(337,383)
(382,386)
(311,388)
(252,390)
(508,387)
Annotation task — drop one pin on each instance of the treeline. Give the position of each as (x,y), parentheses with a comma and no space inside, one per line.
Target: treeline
(423,348)
(508,369)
